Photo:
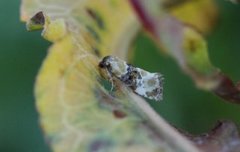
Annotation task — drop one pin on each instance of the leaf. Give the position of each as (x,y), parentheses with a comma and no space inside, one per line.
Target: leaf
(187,47)
(201,14)
(77,112)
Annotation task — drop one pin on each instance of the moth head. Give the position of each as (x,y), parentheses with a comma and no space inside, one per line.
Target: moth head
(105,63)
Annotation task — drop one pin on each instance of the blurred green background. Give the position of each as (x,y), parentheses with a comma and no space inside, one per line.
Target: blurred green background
(184,106)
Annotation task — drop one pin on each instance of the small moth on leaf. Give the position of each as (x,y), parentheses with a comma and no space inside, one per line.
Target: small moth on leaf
(143,83)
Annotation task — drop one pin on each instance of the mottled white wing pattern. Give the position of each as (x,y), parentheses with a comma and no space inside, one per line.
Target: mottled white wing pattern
(144,83)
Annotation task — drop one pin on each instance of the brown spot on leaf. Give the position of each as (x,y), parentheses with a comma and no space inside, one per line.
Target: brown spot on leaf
(192,46)
(96,52)
(119,114)
(38,18)
(96,17)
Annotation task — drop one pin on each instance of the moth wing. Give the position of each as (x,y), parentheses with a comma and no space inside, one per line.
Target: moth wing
(150,86)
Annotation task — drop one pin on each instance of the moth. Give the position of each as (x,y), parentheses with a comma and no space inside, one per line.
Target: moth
(143,83)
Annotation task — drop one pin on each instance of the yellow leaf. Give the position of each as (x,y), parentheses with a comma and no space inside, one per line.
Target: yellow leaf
(77,112)
(201,14)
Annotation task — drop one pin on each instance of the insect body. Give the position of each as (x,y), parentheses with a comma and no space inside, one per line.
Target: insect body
(144,83)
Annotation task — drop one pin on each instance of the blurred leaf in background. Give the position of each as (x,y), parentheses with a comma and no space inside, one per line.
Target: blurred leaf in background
(184,106)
